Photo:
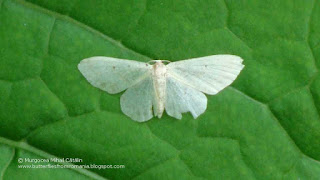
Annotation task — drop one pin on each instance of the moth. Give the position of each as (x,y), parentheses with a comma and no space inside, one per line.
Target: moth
(161,85)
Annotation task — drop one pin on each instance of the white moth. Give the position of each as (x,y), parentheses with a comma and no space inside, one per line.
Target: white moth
(153,87)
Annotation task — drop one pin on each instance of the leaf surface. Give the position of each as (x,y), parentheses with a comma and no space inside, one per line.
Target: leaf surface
(265,126)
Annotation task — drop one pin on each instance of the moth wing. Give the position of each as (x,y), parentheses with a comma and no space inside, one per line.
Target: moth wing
(182,98)
(208,74)
(111,74)
(138,100)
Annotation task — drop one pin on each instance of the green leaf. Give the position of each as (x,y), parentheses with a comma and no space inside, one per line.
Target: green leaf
(266,126)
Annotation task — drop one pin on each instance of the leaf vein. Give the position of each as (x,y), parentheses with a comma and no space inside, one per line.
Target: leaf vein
(8,164)
(227,23)
(27,147)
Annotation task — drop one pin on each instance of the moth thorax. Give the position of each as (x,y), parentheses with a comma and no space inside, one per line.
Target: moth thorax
(160,69)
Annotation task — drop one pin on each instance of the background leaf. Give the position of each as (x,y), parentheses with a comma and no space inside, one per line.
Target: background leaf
(266,126)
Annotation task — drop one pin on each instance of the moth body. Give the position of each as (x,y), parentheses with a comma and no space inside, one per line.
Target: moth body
(159,75)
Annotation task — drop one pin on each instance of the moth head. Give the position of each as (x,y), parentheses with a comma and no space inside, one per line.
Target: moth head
(152,62)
